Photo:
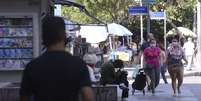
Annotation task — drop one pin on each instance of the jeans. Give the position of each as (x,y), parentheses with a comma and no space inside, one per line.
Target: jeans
(154,75)
(163,71)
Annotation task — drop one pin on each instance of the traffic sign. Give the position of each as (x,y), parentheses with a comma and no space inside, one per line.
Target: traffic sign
(138,10)
(157,15)
(149,1)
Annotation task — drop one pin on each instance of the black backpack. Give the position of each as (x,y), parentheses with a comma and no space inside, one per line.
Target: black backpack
(140,81)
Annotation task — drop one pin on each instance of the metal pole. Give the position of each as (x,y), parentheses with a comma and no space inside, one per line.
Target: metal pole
(142,39)
(128,40)
(123,41)
(131,40)
(195,20)
(199,34)
(110,41)
(141,25)
(148,19)
(165,31)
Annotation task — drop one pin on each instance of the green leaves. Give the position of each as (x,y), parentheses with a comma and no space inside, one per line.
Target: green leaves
(106,10)
(179,13)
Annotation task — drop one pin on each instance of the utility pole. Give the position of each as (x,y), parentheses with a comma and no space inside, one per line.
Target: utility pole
(148,18)
(141,25)
(165,30)
(142,39)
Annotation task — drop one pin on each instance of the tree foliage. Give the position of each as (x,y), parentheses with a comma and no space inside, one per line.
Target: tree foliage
(106,10)
(179,13)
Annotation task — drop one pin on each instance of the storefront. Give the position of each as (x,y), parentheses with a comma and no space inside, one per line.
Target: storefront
(19,35)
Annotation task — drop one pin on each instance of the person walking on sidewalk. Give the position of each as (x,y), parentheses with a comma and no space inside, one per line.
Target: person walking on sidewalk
(56,75)
(152,64)
(189,51)
(175,54)
(163,67)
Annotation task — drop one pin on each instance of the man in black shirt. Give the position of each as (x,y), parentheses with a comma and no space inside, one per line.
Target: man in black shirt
(56,75)
(145,45)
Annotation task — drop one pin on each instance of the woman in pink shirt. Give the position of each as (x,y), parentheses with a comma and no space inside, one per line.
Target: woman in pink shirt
(152,64)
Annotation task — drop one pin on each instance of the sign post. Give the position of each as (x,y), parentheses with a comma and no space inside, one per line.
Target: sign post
(141,10)
(160,16)
(138,10)
(141,27)
(148,2)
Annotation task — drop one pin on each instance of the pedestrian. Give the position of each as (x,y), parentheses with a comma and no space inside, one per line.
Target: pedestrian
(175,54)
(163,67)
(140,57)
(152,64)
(189,51)
(124,84)
(56,75)
(121,79)
(108,75)
(91,60)
(145,44)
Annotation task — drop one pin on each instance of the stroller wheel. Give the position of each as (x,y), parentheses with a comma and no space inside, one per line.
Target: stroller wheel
(143,92)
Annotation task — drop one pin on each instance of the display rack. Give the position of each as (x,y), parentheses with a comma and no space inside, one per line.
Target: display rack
(16,42)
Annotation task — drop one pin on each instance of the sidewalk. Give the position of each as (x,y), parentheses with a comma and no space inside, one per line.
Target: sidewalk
(191,91)
(194,72)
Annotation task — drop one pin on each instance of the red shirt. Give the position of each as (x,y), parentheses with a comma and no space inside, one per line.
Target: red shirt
(152,56)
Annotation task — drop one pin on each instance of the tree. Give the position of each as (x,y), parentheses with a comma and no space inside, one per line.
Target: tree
(106,10)
(179,13)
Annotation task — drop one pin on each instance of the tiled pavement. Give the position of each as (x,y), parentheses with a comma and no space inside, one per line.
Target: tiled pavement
(193,72)
(191,91)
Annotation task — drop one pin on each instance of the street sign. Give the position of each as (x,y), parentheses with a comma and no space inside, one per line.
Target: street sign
(149,1)
(157,15)
(138,10)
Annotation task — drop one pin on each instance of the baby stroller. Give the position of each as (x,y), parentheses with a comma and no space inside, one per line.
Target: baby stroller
(140,82)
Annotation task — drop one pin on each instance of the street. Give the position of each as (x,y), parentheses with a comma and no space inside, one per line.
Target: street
(191,91)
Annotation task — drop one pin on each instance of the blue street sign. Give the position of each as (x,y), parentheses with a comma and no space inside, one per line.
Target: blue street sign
(138,10)
(149,1)
(157,15)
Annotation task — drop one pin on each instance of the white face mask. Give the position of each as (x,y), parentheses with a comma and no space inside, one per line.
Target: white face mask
(174,43)
(153,45)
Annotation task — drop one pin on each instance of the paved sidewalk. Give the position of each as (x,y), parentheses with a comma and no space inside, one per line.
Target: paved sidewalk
(191,91)
(194,72)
